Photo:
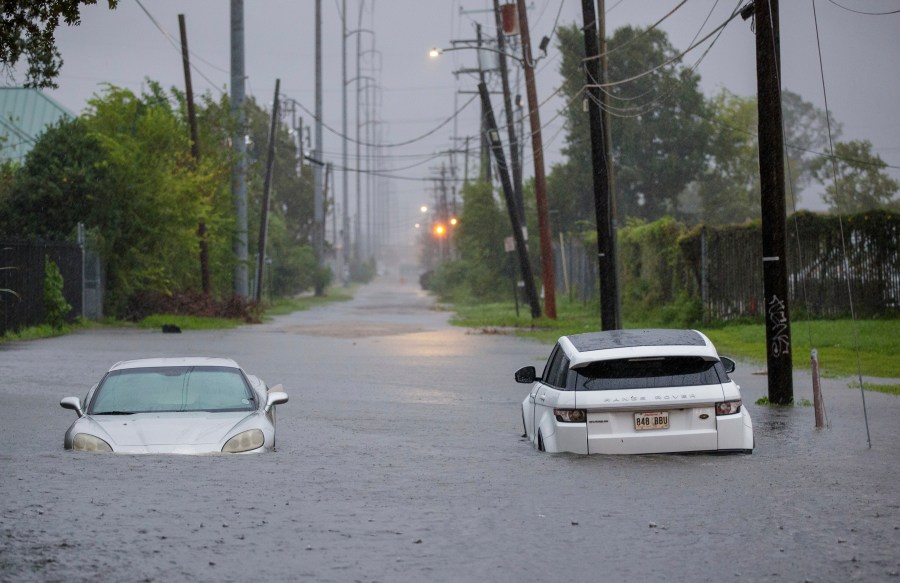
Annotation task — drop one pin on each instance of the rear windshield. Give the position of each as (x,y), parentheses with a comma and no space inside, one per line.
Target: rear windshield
(649,373)
(175,388)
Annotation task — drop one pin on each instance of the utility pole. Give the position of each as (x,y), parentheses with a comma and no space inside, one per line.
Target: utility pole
(521,247)
(774,216)
(485,143)
(343,263)
(195,149)
(357,239)
(318,198)
(267,189)
(510,117)
(239,146)
(602,200)
(608,148)
(540,180)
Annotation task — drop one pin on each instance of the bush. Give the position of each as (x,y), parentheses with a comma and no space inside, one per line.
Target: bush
(56,308)
(147,303)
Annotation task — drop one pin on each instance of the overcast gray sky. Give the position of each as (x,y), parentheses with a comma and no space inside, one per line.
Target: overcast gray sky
(124,47)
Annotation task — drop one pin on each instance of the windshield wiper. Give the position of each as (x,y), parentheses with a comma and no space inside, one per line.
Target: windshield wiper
(114,413)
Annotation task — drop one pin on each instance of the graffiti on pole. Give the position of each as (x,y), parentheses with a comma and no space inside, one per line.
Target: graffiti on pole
(781,341)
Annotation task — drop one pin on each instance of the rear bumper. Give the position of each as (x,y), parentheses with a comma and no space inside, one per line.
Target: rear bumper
(732,433)
(663,441)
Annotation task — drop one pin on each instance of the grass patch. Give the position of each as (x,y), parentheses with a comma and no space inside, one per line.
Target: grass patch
(279,307)
(764,401)
(156,321)
(879,340)
(878,388)
(284,306)
(38,332)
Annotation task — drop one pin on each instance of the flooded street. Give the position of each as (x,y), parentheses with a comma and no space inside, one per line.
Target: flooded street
(400,458)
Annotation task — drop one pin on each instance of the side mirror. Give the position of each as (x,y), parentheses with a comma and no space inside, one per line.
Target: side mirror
(276,397)
(728,363)
(73,403)
(526,374)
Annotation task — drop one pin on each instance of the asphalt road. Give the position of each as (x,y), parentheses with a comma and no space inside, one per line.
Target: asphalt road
(400,458)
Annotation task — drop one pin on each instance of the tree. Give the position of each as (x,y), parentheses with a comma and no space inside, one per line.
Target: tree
(728,190)
(27,31)
(806,129)
(291,205)
(482,271)
(856,181)
(61,183)
(659,128)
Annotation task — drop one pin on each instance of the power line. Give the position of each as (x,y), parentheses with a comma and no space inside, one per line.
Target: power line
(177,48)
(396,144)
(863,12)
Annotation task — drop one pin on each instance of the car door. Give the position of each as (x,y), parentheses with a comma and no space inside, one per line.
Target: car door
(546,397)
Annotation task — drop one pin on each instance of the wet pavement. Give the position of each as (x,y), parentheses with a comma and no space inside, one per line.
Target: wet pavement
(400,458)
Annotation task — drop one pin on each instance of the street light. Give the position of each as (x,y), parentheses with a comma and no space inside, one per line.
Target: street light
(436,52)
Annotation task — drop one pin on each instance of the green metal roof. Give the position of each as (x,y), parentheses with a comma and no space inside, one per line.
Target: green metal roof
(24,114)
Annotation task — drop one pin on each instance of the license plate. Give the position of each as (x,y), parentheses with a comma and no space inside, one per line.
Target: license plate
(652,420)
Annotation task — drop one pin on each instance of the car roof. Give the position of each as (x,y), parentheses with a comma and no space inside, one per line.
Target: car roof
(175,361)
(639,343)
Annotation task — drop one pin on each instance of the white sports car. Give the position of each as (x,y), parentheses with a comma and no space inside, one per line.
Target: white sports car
(635,391)
(190,405)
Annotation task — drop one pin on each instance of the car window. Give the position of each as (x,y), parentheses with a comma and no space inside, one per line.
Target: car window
(557,370)
(554,355)
(649,373)
(180,388)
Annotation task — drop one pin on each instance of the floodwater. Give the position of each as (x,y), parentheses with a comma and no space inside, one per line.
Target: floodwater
(400,458)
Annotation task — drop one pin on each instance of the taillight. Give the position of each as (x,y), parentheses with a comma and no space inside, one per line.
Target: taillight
(570,415)
(728,407)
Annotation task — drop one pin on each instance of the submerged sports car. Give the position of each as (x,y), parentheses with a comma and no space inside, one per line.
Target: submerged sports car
(189,405)
(635,391)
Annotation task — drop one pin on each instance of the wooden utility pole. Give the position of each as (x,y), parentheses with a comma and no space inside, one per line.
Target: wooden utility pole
(195,150)
(510,117)
(267,188)
(774,219)
(540,180)
(493,135)
(608,149)
(606,256)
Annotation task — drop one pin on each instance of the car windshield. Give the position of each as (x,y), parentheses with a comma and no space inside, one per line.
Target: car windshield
(648,373)
(176,388)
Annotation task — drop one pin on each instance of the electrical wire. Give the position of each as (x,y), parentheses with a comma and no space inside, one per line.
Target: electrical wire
(177,46)
(634,111)
(863,12)
(835,173)
(638,37)
(396,144)
(671,60)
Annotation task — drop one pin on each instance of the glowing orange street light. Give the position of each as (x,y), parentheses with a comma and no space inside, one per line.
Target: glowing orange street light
(440,230)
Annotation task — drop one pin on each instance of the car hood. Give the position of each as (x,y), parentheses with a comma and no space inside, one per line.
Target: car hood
(162,429)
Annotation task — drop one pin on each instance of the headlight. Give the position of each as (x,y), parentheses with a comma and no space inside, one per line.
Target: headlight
(570,415)
(87,442)
(244,441)
(728,407)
